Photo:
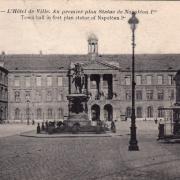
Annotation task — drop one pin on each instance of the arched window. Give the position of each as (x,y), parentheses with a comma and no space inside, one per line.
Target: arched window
(149,111)
(139,112)
(17,114)
(49,113)
(39,113)
(60,113)
(128,112)
(28,113)
(160,112)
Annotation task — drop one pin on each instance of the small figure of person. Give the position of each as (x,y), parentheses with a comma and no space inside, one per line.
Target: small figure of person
(42,127)
(113,127)
(161,130)
(47,125)
(38,129)
(155,121)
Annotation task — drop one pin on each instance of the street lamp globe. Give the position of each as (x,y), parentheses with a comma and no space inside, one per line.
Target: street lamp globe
(133,21)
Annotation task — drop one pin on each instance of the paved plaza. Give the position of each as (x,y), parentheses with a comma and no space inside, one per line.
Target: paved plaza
(14,129)
(88,158)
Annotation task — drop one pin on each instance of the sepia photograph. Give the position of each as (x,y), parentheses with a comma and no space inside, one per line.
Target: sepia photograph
(89,90)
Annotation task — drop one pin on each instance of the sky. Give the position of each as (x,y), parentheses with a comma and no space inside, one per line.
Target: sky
(156,33)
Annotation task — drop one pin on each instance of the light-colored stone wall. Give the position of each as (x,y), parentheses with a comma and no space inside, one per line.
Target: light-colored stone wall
(119,103)
(3,94)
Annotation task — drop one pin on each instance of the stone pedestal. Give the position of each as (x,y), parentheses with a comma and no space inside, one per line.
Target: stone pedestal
(78,110)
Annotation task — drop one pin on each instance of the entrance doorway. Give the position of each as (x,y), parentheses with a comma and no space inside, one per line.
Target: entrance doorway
(95,112)
(108,112)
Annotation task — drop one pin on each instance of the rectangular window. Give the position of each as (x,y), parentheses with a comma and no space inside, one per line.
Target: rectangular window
(128,80)
(38,96)
(170,79)
(17,96)
(160,79)
(1,76)
(160,112)
(60,113)
(60,81)
(39,113)
(27,81)
(60,96)
(128,112)
(6,79)
(138,80)
(139,112)
(149,79)
(138,95)
(149,112)
(49,96)
(50,113)
(128,95)
(171,95)
(49,81)
(38,81)
(28,95)
(16,81)
(149,94)
(160,95)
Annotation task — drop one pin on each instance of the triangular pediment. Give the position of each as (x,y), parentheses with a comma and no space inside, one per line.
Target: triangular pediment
(99,65)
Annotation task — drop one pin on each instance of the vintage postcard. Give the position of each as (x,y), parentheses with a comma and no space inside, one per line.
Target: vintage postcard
(89,90)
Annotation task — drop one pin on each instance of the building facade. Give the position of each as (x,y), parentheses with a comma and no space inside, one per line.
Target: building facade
(38,85)
(3,90)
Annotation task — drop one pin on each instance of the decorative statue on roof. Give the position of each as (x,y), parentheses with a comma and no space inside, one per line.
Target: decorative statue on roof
(78,78)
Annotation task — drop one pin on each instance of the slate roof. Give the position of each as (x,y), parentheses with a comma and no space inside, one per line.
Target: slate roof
(144,62)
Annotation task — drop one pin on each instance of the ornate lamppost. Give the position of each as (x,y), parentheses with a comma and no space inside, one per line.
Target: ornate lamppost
(133,143)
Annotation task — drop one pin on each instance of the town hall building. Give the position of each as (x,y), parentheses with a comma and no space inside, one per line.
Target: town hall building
(38,84)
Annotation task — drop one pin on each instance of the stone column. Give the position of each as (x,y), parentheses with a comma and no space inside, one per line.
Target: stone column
(70,82)
(88,82)
(101,82)
(114,85)
(89,112)
(101,113)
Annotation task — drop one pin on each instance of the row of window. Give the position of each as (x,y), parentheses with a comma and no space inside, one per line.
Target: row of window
(49,80)
(49,95)
(150,95)
(139,112)
(38,113)
(3,93)
(3,113)
(38,81)
(149,80)
(3,77)
(38,96)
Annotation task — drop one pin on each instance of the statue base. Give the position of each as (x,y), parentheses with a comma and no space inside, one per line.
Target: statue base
(78,110)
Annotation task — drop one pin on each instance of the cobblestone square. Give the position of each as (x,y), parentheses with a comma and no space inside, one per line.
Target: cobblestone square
(93,158)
